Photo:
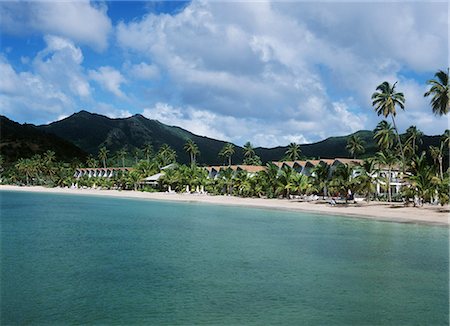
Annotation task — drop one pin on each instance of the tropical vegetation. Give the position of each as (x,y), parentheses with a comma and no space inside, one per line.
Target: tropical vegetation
(423,175)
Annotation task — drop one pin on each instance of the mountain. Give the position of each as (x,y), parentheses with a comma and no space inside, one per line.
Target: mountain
(90,131)
(333,147)
(23,141)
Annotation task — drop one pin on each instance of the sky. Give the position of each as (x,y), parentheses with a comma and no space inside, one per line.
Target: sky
(266,72)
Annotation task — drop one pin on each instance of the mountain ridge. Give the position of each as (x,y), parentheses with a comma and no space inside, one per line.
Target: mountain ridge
(89,131)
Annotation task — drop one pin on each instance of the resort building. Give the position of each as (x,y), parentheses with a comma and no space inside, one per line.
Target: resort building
(305,167)
(213,171)
(99,172)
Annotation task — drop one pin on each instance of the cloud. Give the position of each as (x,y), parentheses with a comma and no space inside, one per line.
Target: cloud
(81,21)
(143,71)
(109,79)
(60,64)
(268,65)
(26,97)
(53,86)
(260,132)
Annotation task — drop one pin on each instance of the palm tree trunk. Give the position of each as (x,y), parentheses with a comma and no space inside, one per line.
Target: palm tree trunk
(388,183)
(440,167)
(104,163)
(229,160)
(400,143)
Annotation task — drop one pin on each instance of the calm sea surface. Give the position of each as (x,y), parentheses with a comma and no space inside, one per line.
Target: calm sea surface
(94,260)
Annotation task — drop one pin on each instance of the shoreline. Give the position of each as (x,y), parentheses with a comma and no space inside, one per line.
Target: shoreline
(380,211)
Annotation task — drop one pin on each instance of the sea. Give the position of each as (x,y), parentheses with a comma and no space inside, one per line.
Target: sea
(73,259)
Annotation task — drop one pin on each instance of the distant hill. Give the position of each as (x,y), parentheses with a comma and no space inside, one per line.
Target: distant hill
(333,147)
(89,131)
(17,141)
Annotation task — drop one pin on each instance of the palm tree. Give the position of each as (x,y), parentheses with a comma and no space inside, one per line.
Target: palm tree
(367,178)
(91,162)
(121,154)
(103,155)
(49,157)
(268,178)
(321,174)
(148,151)
(248,149)
(166,155)
(384,135)
(226,180)
(192,149)
(388,159)
(414,136)
(286,181)
(227,151)
(440,90)
(48,160)
(342,180)
(437,155)
(136,154)
(170,178)
(355,145)
(445,138)
(27,167)
(385,99)
(293,152)
(421,179)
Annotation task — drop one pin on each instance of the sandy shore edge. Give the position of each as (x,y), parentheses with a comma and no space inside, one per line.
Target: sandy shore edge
(429,215)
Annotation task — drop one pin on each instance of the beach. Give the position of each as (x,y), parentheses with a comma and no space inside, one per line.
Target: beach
(382,211)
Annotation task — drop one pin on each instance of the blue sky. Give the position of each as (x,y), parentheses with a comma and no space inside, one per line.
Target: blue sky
(267,72)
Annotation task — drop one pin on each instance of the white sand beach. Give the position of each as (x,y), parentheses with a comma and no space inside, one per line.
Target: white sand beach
(393,212)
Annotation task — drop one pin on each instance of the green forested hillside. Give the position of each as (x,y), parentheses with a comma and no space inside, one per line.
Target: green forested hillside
(23,141)
(91,131)
(86,132)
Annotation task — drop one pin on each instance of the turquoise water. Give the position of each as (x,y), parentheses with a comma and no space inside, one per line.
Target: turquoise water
(93,260)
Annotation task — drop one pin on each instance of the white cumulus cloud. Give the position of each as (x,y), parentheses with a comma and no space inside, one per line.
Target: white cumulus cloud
(108,78)
(81,21)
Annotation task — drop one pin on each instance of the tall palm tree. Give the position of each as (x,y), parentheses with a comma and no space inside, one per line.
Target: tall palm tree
(437,156)
(227,151)
(385,99)
(293,152)
(248,149)
(414,136)
(136,154)
(121,154)
(148,151)
(384,135)
(440,90)
(192,149)
(445,138)
(103,155)
(355,145)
